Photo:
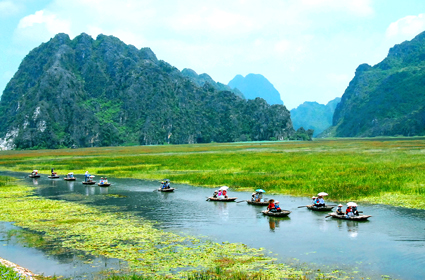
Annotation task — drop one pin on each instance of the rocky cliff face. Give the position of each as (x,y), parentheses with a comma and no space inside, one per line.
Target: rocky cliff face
(387,99)
(102,92)
(256,85)
(315,116)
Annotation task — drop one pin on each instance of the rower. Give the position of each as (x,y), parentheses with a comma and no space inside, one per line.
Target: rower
(339,210)
(320,202)
(271,207)
(349,212)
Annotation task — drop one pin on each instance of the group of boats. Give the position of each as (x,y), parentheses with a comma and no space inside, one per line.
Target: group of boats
(257,200)
(70,177)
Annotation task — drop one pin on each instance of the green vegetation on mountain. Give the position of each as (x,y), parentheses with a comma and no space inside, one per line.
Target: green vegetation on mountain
(102,92)
(256,85)
(200,80)
(315,116)
(387,99)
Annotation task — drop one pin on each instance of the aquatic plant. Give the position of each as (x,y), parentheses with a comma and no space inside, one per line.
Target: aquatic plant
(148,251)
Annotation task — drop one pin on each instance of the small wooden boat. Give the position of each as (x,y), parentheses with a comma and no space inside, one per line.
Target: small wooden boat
(166,190)
(282,213)
(34,174)
(56,176)
(70,178)
(353,218)
(229,199)
(104,184)
(89,182)
(323,208)
(259,203)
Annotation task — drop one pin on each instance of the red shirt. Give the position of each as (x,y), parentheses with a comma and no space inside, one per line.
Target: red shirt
(271,206)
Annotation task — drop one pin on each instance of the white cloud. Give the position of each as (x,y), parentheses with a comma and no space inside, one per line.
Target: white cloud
(8,8)
(406,27)
(50,22)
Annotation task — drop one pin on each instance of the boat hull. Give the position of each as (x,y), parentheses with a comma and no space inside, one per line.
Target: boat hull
(89,183)
(53,177)
(104,185)
(70,179)
(230,199)
(283,213)
(34,176)
(166,190)
(320,209)
(264,203)
(354,218)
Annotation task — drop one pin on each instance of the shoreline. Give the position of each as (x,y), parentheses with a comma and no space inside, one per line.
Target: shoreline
(19,269)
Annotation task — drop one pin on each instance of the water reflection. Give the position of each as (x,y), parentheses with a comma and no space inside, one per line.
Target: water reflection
(70,185)
(273,223)
(104,190)
(90,190)
(35,181)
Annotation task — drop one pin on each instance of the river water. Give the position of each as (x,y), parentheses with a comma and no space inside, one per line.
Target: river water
(391,243)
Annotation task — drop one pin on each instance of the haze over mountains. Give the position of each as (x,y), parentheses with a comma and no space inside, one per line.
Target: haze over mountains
(102,92)
(256,85)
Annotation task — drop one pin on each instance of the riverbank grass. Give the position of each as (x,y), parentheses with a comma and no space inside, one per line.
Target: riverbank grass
(360,169)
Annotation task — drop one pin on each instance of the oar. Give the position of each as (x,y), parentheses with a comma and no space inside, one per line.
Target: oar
(327,216)
(240,201)
(302,206)
(207,199)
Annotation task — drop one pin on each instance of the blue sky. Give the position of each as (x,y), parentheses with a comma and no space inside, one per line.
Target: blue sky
(308,49)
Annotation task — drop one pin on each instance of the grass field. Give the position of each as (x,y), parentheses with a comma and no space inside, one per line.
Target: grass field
(388,171)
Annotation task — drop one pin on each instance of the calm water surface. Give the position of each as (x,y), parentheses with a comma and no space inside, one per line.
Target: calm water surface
(391,243)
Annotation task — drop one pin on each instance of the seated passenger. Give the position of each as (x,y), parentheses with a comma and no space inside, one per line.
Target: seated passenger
(253,197)
(313,202)
(277,207)
(349,212)
(339,210)
(224,193)
(320,202)
(101,181)
(219,193)
(162,185)
(215,194)
(271,207)
(355,212)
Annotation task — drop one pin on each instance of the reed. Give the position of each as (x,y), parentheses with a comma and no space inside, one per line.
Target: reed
(347,169)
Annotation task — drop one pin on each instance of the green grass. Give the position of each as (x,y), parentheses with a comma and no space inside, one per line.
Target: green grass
(389,170)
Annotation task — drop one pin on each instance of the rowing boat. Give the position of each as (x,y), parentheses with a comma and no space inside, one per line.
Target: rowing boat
(53,176)
(70,178)
(282,213)
(229,199)
(322,208)
(353,218)
(89,182)
(104,185)
(259,203)
(166,190)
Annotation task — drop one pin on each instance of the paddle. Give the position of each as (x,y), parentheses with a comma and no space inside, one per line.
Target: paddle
(240,201)
(301,206)
(327,216)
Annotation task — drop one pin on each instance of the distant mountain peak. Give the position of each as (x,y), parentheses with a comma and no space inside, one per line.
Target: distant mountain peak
(256,85)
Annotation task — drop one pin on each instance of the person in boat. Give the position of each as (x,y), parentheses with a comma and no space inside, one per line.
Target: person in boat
(219,193)
(349,212)
(253,196)
(313,200)
(101,181)
(215,194)
(224,193)
(259,197)
(167,184)
(271,207)
(86,176)
(355,211)
(339,210)
(105,181)
(52,172)
(320,202)
(277,207)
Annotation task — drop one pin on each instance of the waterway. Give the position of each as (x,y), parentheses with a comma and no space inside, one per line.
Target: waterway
(391,243)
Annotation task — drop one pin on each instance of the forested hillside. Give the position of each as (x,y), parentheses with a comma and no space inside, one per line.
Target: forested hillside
(85,92)
(387,99)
